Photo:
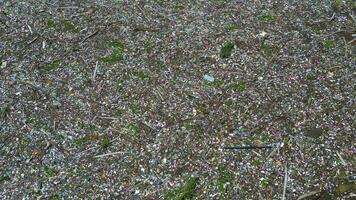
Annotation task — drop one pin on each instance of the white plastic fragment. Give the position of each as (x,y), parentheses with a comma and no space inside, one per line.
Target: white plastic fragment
(209,78)
(3,65)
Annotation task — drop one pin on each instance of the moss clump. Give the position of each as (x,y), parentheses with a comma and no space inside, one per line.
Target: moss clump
(185,191)
(226,50)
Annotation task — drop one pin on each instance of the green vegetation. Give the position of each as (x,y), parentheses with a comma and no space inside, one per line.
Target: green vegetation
(185,191)
(226,50)
(143,76)
(50,172)
(54,65)
(83,140)
(328,44)
(134,128)
(55,197)
(118,113)
(224,179)
(50,23)
(339,3)
(4,111)
(87,138)
(240,86)
(341,189)
(265,182)
(232,27)
(316,26)
(4,178)
(38,122)
(267,18)
(105,142)
(345,187)
(178,7)
(269,50)
(257,163)
(159,65)
(67,26)
(117,50)
(311,77)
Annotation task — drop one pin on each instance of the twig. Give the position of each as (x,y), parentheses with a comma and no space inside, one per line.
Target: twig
(104,117)
(80,154)
(89,36)
(144,29)
(256,153)
(29,28)
(285,182)
(312,193)
(352,17)
(350,42)
(3,65)
(32,41)
(273,152)
(249,147)
(95,70)
(346,44)
(148,125)
(342,160)
(108,154)
(332,17)
(148,19)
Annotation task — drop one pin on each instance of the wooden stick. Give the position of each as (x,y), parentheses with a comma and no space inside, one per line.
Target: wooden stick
(89,36)
(109,154)
(249,147)
(285,182)
(95,70)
